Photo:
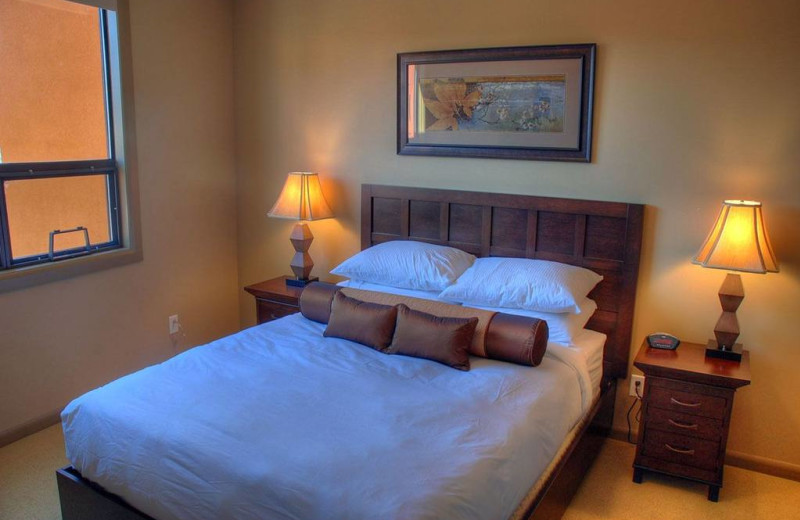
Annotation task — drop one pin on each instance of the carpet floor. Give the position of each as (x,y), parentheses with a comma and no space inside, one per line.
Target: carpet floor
(28,488)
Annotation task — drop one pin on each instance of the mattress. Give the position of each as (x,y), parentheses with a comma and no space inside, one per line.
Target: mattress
(591,344)
(278,422)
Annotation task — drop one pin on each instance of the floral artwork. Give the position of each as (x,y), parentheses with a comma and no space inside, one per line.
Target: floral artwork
(531,103)
(500,104)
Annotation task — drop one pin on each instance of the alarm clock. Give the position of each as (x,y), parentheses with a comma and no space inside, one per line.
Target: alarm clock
(662,340)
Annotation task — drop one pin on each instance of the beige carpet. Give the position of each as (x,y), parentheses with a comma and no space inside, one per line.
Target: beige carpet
(28,479)
(607,492)
(28,488)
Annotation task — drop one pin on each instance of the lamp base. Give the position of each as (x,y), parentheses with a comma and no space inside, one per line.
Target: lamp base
(734,353)
(300,282)
(301,263)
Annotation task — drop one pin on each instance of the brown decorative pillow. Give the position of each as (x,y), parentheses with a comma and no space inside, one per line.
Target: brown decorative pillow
(516,339)
(423,335)
(316,300)
(370,324)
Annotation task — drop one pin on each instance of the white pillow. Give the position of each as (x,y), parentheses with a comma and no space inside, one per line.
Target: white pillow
(564,328)
(523,283)
(414,293)
(407,264)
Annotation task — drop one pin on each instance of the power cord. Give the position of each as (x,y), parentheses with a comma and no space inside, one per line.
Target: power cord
(638,416)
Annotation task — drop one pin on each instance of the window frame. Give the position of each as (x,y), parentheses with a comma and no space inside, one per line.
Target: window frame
(118,63)
(31,171)
(77,168)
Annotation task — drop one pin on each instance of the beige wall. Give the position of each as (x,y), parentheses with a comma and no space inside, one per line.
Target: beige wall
(696,101)
(61,339)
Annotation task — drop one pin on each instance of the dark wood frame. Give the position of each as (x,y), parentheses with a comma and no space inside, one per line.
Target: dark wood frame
(603,236)
(585,52)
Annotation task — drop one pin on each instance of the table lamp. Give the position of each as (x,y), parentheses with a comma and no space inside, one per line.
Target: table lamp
(301,199)
(737,242)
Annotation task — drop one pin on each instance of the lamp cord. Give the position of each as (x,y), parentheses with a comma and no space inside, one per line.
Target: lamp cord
(638,417)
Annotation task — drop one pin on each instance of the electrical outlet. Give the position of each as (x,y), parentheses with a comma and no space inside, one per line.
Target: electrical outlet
(174,324)
(635,378)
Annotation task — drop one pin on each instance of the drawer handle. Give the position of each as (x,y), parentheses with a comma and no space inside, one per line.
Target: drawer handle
(685,426)
(682,451)
(681,403)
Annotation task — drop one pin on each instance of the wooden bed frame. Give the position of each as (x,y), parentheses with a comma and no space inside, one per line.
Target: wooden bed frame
(602,236)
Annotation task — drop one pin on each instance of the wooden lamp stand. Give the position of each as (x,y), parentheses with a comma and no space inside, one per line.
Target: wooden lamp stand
(726,330)
(301,263)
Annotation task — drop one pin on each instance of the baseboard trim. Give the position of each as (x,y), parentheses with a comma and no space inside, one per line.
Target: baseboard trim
(776,468)
(29,428)
(622,436)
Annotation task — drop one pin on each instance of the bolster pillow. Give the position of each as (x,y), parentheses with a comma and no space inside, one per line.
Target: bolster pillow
(504,337)
(316,300)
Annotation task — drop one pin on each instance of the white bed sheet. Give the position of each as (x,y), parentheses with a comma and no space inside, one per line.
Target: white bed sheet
(278,422)
(591,346)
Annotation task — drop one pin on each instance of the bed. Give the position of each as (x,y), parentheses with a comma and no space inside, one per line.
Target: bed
(602,236)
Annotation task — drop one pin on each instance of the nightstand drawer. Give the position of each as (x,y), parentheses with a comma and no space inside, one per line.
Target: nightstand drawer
(268,310)
(684,424)
(681,449)
(686,398)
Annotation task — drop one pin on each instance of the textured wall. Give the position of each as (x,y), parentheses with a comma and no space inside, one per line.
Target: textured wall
(694,103)
(61,339)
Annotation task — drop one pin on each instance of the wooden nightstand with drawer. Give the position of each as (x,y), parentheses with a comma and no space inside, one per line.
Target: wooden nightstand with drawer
(275,299)
(686,412)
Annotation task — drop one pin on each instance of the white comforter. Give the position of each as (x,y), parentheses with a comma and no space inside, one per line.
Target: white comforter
(278,422)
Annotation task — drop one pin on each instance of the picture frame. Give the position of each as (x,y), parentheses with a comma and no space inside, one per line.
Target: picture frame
(530,103)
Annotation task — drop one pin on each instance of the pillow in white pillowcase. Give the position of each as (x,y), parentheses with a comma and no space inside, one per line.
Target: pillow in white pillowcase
(407,264)
(563,327)
(523,283)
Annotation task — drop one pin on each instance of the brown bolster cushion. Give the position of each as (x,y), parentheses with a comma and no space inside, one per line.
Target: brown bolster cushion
(370,324)
(423,335)
(316,299)
(516,339)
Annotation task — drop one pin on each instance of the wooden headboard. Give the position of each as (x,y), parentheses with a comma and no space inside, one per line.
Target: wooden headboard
(602,236)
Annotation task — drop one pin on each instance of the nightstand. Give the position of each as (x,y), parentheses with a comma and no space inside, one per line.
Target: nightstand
(686,412)
(275,299)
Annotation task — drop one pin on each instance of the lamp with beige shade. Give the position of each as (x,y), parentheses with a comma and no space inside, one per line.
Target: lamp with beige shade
(301,199)
(737,242)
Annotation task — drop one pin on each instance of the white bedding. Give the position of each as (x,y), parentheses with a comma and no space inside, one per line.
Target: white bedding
(278,422)
(591,345)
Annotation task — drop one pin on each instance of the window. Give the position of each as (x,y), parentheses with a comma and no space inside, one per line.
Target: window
(62,168)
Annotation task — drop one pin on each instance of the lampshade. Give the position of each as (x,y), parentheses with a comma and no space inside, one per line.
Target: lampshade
(301,199)
(738,241)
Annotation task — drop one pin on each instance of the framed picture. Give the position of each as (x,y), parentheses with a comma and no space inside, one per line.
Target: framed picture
(530,103)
